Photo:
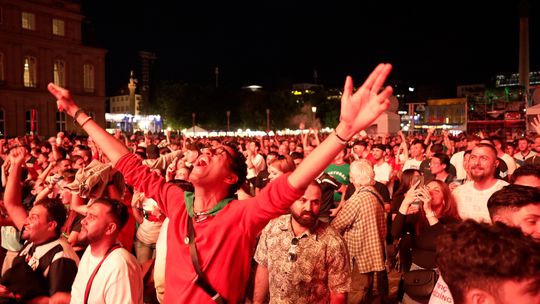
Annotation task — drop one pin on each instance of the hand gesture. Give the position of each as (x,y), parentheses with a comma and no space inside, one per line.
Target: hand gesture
(6,165)
(425,197)
(361,108)
(536,124)
(64,100)
(18,156)
(431,130)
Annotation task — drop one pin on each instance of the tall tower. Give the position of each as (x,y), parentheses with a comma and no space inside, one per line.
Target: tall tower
(147,62)
(132,85)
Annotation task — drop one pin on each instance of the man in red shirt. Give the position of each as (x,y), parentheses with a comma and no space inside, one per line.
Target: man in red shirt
(226,229)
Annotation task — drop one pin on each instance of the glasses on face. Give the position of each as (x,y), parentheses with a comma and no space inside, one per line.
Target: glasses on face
(219,151)
(292,250)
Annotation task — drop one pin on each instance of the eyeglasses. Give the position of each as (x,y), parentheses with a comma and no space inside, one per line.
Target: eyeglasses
(219,151)
(292,250)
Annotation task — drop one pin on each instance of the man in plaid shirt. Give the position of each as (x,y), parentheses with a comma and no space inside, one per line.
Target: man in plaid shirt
(362,222)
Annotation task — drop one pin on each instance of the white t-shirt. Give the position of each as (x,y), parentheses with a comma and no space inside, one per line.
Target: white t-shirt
(457,161)
(441,294)
(510,163)
(258,166)
(411,163)
(472,203)
(382,172)
(118,280)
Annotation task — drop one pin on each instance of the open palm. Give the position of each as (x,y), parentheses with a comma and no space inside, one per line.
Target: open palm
(361,108)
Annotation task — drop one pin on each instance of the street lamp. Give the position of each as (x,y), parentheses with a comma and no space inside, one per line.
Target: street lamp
(267,120)
(193,117)
(228,120)
(314,110)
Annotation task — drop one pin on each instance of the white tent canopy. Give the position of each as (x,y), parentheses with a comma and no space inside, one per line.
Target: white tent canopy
(195,131)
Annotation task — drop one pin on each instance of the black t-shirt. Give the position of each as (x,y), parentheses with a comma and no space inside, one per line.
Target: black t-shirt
(328,186)
(379,187)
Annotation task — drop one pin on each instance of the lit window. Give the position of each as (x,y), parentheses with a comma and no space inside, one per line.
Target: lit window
(28,21)
(29,72)
(58,27)
(88,78)
(31,123)
(60,121)
(59,72)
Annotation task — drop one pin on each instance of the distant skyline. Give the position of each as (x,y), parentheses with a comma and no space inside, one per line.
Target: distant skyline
(277,43)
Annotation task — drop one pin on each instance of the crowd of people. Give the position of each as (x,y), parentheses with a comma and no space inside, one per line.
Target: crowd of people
(311,218)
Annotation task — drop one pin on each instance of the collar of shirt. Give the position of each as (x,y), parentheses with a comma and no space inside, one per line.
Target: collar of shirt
(286,225)
(189,198)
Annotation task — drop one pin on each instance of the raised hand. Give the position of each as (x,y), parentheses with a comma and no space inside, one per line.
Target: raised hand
(64,100)
(536,124)
(361,108)
(17,156)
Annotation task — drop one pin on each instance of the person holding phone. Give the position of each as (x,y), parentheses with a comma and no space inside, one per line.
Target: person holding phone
(436,208)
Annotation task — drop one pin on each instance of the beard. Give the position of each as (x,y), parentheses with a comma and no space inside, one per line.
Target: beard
(479,175)
(305,218)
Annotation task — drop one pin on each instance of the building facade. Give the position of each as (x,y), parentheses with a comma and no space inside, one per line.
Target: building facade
(41,43)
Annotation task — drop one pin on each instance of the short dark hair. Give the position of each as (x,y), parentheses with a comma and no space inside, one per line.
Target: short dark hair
(444,159)
(257,143)
(117,210)
(512,197)
(418,141)
(238,167)
(379,146)
(527,170)
(483,256)
(360,143)
(55,212)
(297,155)
(437,148)
(489,146)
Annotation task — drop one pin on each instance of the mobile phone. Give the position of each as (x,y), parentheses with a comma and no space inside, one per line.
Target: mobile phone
(420,180)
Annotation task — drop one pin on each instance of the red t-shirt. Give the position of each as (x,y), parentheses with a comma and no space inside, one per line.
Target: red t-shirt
(225,242)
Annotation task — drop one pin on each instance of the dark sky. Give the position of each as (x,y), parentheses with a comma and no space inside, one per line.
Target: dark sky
(278,42)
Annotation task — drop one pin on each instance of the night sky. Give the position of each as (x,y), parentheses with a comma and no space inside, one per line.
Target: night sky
(277,43)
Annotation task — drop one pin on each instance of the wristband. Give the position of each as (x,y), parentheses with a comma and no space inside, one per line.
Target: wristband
(340,139)
(85,121)
(76,115)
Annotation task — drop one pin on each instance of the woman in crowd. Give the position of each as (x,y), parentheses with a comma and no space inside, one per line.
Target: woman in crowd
(280,166)
(423,213)
(405,184)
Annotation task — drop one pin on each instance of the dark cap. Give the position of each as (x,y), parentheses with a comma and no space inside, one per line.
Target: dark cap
(152,151)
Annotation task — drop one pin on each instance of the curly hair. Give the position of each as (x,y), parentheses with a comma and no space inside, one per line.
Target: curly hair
(473,255)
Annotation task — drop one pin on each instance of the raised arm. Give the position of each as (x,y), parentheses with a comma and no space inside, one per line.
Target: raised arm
(358,110)
(13,193)
(113,148)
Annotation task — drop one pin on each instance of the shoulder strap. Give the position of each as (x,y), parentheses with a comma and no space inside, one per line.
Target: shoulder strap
(91,280)
(201,277)
(376,196)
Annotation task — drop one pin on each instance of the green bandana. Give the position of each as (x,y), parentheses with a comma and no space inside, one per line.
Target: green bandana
(189,197)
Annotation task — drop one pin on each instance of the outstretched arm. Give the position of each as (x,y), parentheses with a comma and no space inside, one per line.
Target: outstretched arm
(358,110)
(113,148)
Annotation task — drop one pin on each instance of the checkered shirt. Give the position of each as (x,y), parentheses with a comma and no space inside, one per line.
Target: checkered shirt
(362,222)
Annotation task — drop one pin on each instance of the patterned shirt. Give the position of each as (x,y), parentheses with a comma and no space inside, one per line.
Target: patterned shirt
(320,264)
(363,224)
